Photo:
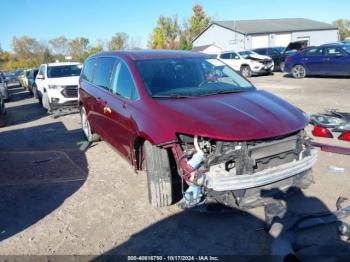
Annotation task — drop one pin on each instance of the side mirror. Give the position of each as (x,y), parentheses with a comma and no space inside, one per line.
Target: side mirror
(39,77)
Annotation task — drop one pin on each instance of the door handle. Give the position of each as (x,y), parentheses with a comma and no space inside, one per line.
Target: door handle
(107,109)
(124,105)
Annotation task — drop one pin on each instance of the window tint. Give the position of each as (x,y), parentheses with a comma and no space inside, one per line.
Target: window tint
(225,56)
(63,71)
(333,51)
(234,56)
(103,71)
(313,52)
(262,51)
(42,71)
(123,83)
(88,69)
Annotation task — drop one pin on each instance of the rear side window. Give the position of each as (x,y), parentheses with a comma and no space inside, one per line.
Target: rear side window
(225,56)
(88,69)
(123,83)
(103,71)
(313,52)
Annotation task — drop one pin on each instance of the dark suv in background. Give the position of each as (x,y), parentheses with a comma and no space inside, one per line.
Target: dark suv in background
(279,54)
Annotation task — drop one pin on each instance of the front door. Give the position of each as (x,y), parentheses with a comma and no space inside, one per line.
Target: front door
(336,61)
(117,109)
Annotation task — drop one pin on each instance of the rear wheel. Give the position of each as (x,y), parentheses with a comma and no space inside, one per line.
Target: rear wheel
(90,136)
(298,71)
(35,92)
(159,175)
(245,71)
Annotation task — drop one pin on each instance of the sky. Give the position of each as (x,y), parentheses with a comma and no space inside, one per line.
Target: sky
(100,19)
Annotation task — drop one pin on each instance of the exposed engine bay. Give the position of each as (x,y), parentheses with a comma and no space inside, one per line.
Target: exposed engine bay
(234,173)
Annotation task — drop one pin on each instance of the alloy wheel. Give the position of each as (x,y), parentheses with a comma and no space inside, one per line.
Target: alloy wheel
(298,71)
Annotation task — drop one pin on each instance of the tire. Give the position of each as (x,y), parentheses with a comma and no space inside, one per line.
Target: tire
(281,66)
(46,103)
(298,71)
(35,92)
(246,71)
(159,177)
(2,121)
(85,125)
(40,98)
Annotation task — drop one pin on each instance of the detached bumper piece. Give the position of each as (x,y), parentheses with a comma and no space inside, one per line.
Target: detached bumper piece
(267,176)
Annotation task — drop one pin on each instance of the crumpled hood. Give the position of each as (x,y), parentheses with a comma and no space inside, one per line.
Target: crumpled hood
(258,57)
(250,115)
(64,81)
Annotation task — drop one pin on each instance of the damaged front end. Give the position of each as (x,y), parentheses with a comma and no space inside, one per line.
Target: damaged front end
(234,173)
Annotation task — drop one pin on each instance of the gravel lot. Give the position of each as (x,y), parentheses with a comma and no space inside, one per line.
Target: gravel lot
(57,197)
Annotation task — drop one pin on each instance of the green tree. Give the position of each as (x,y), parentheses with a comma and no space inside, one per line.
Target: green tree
(59,47)
(28,52)
(99,47)
(118,42)
(198,21)
(185,43)
(79,48)
(344,28)
(166,34)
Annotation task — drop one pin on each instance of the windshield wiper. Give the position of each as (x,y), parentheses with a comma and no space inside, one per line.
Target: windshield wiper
(171,96)
(223,92)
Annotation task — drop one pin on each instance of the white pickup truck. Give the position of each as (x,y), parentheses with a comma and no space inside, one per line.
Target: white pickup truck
(247,62)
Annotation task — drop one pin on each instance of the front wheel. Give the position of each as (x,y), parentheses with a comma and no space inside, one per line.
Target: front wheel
(46,103)
(89,135)
(282,64)
(246,72)
(158,176)
(298,71)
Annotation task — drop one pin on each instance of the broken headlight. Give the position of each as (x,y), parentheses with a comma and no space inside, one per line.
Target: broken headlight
(325,121)
(342,127)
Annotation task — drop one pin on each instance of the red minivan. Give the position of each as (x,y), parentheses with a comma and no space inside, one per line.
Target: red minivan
(183,116)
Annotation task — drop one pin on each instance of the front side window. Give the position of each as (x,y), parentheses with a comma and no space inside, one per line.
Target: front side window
(123,83)
(346,48)
(333,51)
(88,69)
(103,72)
(63,71)
(189,77)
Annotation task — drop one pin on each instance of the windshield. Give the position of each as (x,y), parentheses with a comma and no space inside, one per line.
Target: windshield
(189,77)
(245,54)
(279,49)
(63,71)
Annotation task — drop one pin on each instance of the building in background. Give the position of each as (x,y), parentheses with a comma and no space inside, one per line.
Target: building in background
(207,49)
(250,34)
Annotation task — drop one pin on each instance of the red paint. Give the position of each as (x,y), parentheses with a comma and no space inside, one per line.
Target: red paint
(321,132)
(249,115)
(332,148)
(345,136)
